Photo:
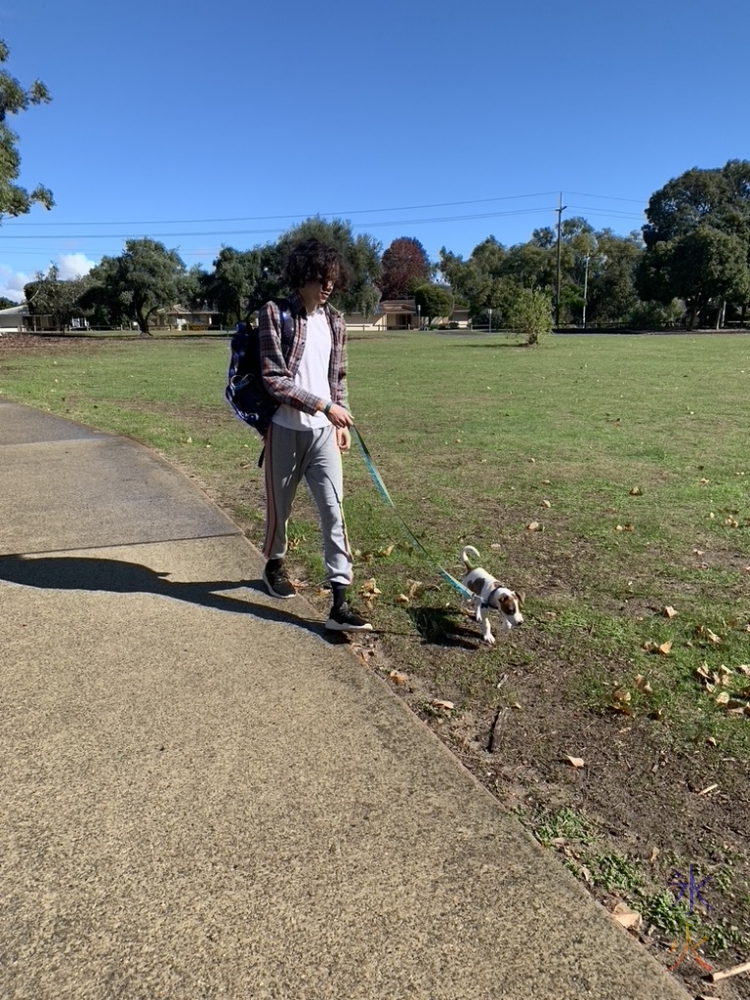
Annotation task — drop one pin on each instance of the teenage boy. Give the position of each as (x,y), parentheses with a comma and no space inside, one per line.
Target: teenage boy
(303,365)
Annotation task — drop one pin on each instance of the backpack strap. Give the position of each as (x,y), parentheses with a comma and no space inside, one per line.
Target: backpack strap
(287,324)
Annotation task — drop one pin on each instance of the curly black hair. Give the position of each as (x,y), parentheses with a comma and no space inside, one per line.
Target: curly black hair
(312,260)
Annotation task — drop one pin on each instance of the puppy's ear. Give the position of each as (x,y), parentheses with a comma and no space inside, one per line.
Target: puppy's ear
(520,597)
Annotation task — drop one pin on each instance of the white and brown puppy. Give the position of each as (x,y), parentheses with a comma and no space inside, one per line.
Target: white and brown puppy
(489,593)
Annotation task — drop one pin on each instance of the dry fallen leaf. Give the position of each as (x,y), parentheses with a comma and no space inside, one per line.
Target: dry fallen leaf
(397,677)
(654,854)
(546,503)
(370,588)
(625,916)
(722,698)
(446,706)
(575,761)
(402,599)
(711,740)
(534,526)
(669,612)
(636,492)
(643,685)
(386,551)
(665,648)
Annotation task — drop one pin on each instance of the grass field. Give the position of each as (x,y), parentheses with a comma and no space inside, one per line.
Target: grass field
(607,477)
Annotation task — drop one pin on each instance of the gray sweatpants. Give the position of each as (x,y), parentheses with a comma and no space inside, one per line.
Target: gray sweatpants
(314,455)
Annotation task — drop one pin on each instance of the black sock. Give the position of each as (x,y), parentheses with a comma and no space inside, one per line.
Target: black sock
(339,594)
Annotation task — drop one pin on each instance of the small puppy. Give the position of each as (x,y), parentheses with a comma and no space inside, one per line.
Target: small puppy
(489,593)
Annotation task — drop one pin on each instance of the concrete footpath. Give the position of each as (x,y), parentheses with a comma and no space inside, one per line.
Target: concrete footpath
(202,798)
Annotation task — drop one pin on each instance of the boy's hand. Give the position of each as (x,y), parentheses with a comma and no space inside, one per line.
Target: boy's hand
(340,416)
(343,438)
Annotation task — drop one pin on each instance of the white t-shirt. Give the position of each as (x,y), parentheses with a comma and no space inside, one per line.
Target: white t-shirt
(312,375)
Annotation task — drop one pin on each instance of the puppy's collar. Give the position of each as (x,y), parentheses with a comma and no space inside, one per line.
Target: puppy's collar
(486,604)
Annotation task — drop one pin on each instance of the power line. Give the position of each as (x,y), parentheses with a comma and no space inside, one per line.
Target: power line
(275,229)
(609,197)
(298,215)
(305,215)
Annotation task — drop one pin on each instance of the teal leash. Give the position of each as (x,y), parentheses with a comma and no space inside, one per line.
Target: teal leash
(383,490)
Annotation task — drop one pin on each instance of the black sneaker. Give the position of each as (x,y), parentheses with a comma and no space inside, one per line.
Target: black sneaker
(341,619)
(277,580)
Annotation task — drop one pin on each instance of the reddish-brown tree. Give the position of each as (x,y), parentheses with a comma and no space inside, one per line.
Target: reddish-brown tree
(405,266)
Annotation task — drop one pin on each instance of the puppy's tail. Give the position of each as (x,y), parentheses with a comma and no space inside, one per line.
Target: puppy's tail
(470,557)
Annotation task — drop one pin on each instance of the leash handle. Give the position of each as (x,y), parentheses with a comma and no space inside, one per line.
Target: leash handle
(383,490)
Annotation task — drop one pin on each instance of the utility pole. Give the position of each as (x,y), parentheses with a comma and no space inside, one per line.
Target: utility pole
(585,289)
(560,209)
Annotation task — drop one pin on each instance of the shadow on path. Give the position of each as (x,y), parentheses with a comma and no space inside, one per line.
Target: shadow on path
(114,577)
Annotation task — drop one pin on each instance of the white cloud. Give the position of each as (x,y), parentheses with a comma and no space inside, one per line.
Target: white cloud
(74,265)
(12,282)
(70,265)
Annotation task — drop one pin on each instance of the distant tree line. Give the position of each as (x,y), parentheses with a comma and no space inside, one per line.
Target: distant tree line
(690,265)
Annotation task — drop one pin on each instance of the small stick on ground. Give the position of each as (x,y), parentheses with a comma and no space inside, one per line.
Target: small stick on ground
(499,714)
(716,976)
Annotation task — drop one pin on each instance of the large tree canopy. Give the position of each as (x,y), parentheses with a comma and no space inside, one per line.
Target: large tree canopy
(698,240)
(405,265)
(718,197)
(48,295)
(14,98)
(361,253)
(242,280)
(145,277)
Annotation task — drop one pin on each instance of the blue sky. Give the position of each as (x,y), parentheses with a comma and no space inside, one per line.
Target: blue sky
(223,123)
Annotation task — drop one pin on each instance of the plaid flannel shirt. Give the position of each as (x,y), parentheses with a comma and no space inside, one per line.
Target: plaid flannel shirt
(280,365)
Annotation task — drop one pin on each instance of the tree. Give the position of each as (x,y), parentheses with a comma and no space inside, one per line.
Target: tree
(531,313)
(47,295)
(14,98)
(144,278)
(707,264)
(479,281)
(694,198)
(611,294)
(405,265)
(7,303)
(705,202)
(530,265)
(232,282)
(361,254)
(434,301)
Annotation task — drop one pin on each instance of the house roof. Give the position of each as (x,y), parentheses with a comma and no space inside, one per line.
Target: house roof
(19,310)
